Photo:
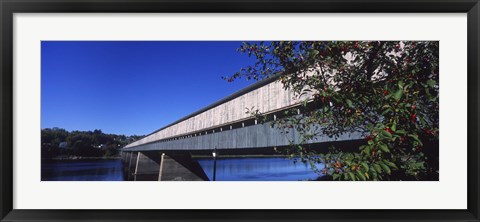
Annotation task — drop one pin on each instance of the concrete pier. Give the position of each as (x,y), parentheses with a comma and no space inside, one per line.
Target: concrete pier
(158,166)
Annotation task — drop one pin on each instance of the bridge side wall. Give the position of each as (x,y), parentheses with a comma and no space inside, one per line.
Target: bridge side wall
(255,136)
(268,98)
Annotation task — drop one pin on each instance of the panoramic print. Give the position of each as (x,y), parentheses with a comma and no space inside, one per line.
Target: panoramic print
(240,111)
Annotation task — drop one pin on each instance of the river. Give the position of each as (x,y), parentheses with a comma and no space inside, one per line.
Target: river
(82,170)
(228,169)
(258,169)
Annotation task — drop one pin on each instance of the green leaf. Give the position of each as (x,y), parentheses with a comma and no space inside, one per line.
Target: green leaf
(431,83)
(385,168)
(336,176)
(377,168)
(349,103)
(419,165)
(398,94)
(386,111)
(415,137)
(383,148)
(352,177)
(360,175)
(390,164)
(394,126)
(386,134)
(365,166)
(367,150)
(374,174)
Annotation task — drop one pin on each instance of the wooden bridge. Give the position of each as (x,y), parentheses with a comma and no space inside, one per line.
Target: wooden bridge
(166,154)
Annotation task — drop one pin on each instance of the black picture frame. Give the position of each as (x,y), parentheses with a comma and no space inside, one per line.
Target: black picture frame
(9,7)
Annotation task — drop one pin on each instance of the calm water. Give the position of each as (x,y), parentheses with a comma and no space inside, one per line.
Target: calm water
(82,170)
(228,169)
(258,169)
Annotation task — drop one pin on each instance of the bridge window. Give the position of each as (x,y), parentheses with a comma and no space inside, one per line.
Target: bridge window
(249,122)
(236,125)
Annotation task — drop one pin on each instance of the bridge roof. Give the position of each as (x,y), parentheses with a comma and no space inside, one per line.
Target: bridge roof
(234,95)
(237,94)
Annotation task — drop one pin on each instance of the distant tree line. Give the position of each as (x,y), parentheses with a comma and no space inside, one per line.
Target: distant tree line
(59,143)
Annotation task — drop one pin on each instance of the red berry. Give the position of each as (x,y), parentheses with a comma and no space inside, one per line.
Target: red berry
(388,130)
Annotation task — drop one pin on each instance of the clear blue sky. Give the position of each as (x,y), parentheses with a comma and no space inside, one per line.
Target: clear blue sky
(133,87)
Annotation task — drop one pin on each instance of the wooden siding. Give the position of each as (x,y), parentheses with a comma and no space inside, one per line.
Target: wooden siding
(254,136)
(266,99)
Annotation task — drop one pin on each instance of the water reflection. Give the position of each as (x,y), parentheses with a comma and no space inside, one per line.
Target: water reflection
(258,169)
(82,170)
(228,169)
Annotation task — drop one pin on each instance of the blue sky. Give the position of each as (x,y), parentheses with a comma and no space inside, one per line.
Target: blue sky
(133,87)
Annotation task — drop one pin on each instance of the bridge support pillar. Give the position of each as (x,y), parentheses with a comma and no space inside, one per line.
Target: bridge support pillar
(180,167)
(146,167)
(155,166)
(129,160)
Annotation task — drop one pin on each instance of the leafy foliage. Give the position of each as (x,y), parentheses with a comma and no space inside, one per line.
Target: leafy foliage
(386,90)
